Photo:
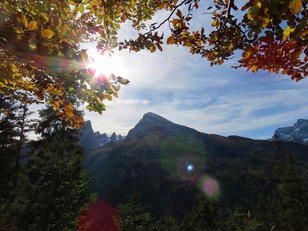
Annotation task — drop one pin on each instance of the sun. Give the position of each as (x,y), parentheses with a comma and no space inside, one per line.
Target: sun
(100,63)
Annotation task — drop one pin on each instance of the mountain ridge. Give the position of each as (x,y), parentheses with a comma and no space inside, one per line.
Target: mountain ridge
(171,149)
(93,140)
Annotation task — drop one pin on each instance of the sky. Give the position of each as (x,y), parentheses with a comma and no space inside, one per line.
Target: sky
(186,90)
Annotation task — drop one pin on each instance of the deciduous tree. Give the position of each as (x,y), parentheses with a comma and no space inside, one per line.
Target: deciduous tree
(41,57)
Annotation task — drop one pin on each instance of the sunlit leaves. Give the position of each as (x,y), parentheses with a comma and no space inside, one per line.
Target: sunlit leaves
(42,42)
(47,33)
(32,25)
(287,32)
(295,6)
(24,21)
(281,56)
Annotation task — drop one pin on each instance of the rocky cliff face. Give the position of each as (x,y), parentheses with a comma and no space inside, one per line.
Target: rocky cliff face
(92,140)
(296,133)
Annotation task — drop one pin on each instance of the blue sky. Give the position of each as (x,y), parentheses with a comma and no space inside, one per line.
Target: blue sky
(186,90)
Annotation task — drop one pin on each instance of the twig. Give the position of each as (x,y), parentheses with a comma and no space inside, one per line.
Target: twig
(167,19)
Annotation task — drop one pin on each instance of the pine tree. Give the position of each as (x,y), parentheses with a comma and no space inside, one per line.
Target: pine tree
(133,217)
(166,224)
(241,220)
(8,149)
(289,203)
(24,125)
(205,216)
(56,188)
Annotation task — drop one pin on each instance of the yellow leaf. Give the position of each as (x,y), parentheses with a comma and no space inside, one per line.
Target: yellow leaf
(47,33)
(214,23)
(295,6)
(32,25)
(254,68)
(109,97)
(246,54)
(24,21)
(69,114)
(254,10)
(18,30)
(264,22)
(287,32)
(116,87)
(44,17)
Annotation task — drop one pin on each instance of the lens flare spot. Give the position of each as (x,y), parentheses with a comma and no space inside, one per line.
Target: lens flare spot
(209,185)
(190,168)
(100,216)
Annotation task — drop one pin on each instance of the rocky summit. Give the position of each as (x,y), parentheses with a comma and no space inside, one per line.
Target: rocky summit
(296,133)
(152,122)
(92,140)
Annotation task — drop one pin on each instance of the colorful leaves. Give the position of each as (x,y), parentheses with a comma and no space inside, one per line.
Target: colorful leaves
(259,14)
(32,25)
(254,11)
(24,21)
(281,56)
(295,6)
(47,33)
(287,32)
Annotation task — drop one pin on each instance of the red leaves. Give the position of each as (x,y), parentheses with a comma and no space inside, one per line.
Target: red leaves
(275,56)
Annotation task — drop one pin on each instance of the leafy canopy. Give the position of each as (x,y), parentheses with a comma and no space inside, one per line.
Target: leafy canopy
(41,57)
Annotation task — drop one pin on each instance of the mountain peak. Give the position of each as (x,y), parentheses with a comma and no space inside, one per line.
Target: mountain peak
(91,140)
(151,121)
(296,133)
(153,118)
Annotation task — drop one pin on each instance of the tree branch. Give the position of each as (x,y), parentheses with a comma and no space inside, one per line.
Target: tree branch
(168,18)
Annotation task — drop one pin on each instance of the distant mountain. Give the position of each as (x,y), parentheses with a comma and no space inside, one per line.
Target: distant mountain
(158,155)
(92,140)
(296,133)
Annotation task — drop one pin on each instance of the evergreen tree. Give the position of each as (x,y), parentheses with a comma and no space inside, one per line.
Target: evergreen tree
(133,217)
(289,203)
(8,135)
(166,224)
(242,221)
(56,188)
(24,125)
(205,216)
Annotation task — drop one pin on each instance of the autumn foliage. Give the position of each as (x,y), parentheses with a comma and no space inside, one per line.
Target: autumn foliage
(41,57)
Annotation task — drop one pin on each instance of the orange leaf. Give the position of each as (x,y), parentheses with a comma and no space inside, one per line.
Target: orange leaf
(32,25)
(170,40)
(295,6)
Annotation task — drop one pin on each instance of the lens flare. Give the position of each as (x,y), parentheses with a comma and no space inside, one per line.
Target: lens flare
(209,186)
(100,216)
(190,167)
